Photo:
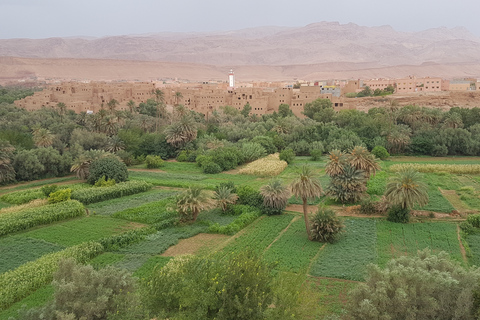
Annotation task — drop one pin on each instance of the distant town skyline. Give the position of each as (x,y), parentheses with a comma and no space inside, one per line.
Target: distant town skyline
(68,18)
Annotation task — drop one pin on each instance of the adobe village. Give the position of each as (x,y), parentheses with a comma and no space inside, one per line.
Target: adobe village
(251,174)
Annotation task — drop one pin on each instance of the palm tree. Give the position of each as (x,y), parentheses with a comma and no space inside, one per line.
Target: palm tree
(348,186)
(178,96)
(275,195)
(62,107)
(82,163)
(224,196)
(132,107)
(406,189)
(160,99)
(7,172)
(112,104)
(115,144)
(181,132)
(398,138)
(306,186)
(192,201)
(453,120)
(337,160)
(362,159)
(42,137)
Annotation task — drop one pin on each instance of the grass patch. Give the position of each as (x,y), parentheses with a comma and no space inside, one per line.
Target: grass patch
(397,239)
(347,258)
(132,262)
(15,251)
(333,294)
(377,184)
(77,231)
(111,206)
(37,299)
(106,259)
(149,213)
(259,234)
(293,251)
(151,264)
(176,180)
(473,241)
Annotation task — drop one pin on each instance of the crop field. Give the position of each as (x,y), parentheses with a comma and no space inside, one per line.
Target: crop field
(333,269)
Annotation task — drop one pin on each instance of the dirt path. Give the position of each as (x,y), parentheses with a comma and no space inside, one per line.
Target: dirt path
(281,233)
(462,248)
(340,211)
(196,244)
(147,170)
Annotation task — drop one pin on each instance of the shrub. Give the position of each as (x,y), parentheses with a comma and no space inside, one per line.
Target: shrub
(21,220)
(253,151)
(22,196)
(301,148)
(35,274)
(474,220)
(154,162)
(211,167)
(398,214)
(439,150)
(249,196)
(60,196)
(317,145)
(316,154)
(198,287)
(326,226)
(427,286)
(230,185)
(92,195)
(202,159)
(380,152)
(110,167)
(100,183)
(248,215)
(49,189)
(182,156)
(227,157)
(118,241)
(467,227)
(367,206)
(287,155)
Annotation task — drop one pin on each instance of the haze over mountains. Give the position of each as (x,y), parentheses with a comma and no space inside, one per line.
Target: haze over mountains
(276,53)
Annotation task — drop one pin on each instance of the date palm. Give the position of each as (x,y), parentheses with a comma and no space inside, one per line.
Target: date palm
(362,159)
(132,107)
(224,196)
(115,144)
(306,186)
(42,137)
(336,161)
(275,194)
(406,189)
(348,186)
(181,132)
(192,201)
(112,104)
(81,164)
(7,172)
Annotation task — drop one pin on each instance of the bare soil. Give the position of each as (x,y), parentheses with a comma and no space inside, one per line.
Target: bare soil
(196,244)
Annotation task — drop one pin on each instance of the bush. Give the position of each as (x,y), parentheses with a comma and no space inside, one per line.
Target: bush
(467,227)
(253,151)
(249,196)
(326,226)
(182,156)
(423,287)
(398,214)
(202,159)
(22,196)
(196,287)
(92,195)
(110,167)
(474,220)
(439,150)
(100,183)
(230,185)
(287,155)
(154,162)
(316,154)
(301,148)
(60,196)
(367,207)
(380,152)
(118,241)
(211,167)
(248,215)
(49,189)
(21,220)
(35,274)
(227,157)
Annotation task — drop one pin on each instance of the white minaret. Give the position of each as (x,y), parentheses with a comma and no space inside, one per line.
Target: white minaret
(231,79)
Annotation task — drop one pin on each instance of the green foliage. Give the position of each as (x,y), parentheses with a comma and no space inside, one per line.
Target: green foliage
(92,195)
(22,196)
(275,197)
(194,287)
(84,293)
(380,152)
(49,189)
(377,184)
(317,106)
(253,151)
(347,259)
(347,186)
(398,214)
(150,213)
(227,157)
(248,215)
(432,286)
(100,183)
(367,206)
(110,167)
(154,162)
(211,167)
(249,196)
(35,274)
(326,226)
(266,142)
(115,242)
(60,196)
(287,155)
(17,221)
(41,163)
(474,220)
(316,154)
(466,227)
(407,189)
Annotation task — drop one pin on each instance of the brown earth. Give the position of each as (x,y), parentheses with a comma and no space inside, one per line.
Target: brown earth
(196,244)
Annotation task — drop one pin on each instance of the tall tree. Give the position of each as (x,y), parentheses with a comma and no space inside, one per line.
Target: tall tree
(111,105)
(362,159)
(132,107)
(406,189)
(178,96)
(306,187)
(42,137)
(182,131)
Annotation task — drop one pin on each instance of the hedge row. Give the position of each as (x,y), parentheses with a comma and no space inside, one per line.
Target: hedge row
(116,242)
(92,195)
(22,281)
(249,215)
(21,220)
(22,196)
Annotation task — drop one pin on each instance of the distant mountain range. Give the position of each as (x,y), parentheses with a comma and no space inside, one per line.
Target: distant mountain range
(318,47)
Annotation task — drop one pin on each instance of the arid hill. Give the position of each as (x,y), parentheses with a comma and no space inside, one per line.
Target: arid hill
(316,51)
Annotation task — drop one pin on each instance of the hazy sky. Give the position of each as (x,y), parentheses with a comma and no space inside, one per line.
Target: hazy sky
(61,18)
